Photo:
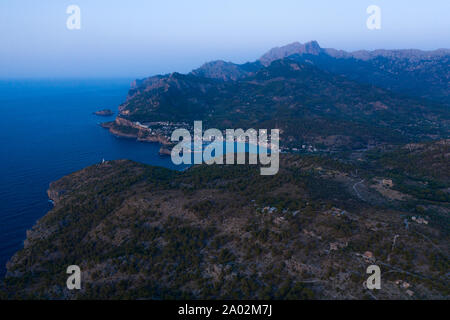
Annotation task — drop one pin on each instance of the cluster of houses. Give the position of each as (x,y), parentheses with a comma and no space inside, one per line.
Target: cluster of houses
(387,183)
(369,257)
(337,212)
(419,220)
(405,285)
(338,245)
(161,128)
(305,147)
(311,234)
(271,210)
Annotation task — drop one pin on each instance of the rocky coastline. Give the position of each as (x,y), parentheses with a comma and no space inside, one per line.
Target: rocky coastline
(104,113)
(127,129)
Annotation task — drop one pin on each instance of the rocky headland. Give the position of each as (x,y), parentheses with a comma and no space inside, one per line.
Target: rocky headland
(104,113)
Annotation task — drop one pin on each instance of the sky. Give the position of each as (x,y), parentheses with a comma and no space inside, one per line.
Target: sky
(138,38)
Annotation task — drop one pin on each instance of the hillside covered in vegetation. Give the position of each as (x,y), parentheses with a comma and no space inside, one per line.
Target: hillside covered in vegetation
(211,232)
(329,99)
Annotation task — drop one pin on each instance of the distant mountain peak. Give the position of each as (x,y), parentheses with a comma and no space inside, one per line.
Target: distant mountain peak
(219,69)
(311,47)
(226,71)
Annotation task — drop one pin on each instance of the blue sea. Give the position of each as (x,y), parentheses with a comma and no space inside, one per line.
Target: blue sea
(47,130)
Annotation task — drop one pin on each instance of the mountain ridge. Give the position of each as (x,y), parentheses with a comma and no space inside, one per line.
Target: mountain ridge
(424,74)
(299,94)
(313,47)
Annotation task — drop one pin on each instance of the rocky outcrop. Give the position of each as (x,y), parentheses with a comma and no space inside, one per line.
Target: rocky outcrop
(127,129)
(104,113)
(277,53)
(164,151)
(226,71)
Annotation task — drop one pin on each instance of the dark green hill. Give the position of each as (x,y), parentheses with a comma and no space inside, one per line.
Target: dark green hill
(212,232)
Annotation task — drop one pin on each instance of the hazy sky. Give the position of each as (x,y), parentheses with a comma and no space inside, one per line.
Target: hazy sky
(137,38)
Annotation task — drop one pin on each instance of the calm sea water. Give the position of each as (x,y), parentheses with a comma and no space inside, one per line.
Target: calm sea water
(47,130)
